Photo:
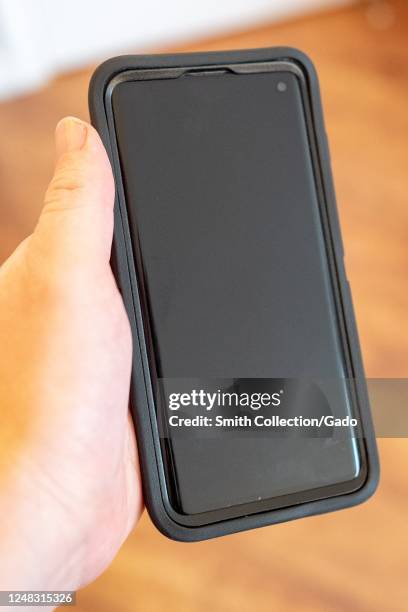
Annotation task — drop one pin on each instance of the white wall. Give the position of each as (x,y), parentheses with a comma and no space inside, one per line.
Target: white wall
(41,37)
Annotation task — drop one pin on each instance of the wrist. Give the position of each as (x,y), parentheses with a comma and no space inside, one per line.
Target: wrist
(35,554)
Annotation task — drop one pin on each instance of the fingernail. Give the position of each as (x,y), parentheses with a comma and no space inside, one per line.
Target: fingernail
(70,135)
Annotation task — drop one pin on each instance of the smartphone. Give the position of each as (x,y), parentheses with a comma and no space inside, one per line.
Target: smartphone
(228,254)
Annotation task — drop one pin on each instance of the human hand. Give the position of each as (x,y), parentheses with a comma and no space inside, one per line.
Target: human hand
(70,487)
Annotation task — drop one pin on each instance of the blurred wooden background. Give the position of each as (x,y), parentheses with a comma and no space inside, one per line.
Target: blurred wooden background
(356,559)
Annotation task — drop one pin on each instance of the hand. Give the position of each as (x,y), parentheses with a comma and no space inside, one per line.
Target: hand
(69,482)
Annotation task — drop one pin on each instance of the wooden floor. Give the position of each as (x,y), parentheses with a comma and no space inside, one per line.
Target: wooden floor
(355,560)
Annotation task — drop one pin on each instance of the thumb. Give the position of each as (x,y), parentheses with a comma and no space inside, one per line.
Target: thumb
(75,228)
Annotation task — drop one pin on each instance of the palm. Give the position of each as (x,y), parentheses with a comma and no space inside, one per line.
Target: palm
(68,448)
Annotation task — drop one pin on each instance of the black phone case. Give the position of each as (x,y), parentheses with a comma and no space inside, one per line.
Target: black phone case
(141,398)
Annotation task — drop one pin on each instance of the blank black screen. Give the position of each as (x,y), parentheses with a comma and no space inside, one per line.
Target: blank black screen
(222,203)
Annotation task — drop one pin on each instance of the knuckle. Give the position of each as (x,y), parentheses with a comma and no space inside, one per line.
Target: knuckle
(70,177)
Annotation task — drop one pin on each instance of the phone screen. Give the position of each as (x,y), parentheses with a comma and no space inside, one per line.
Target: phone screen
(224,210)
